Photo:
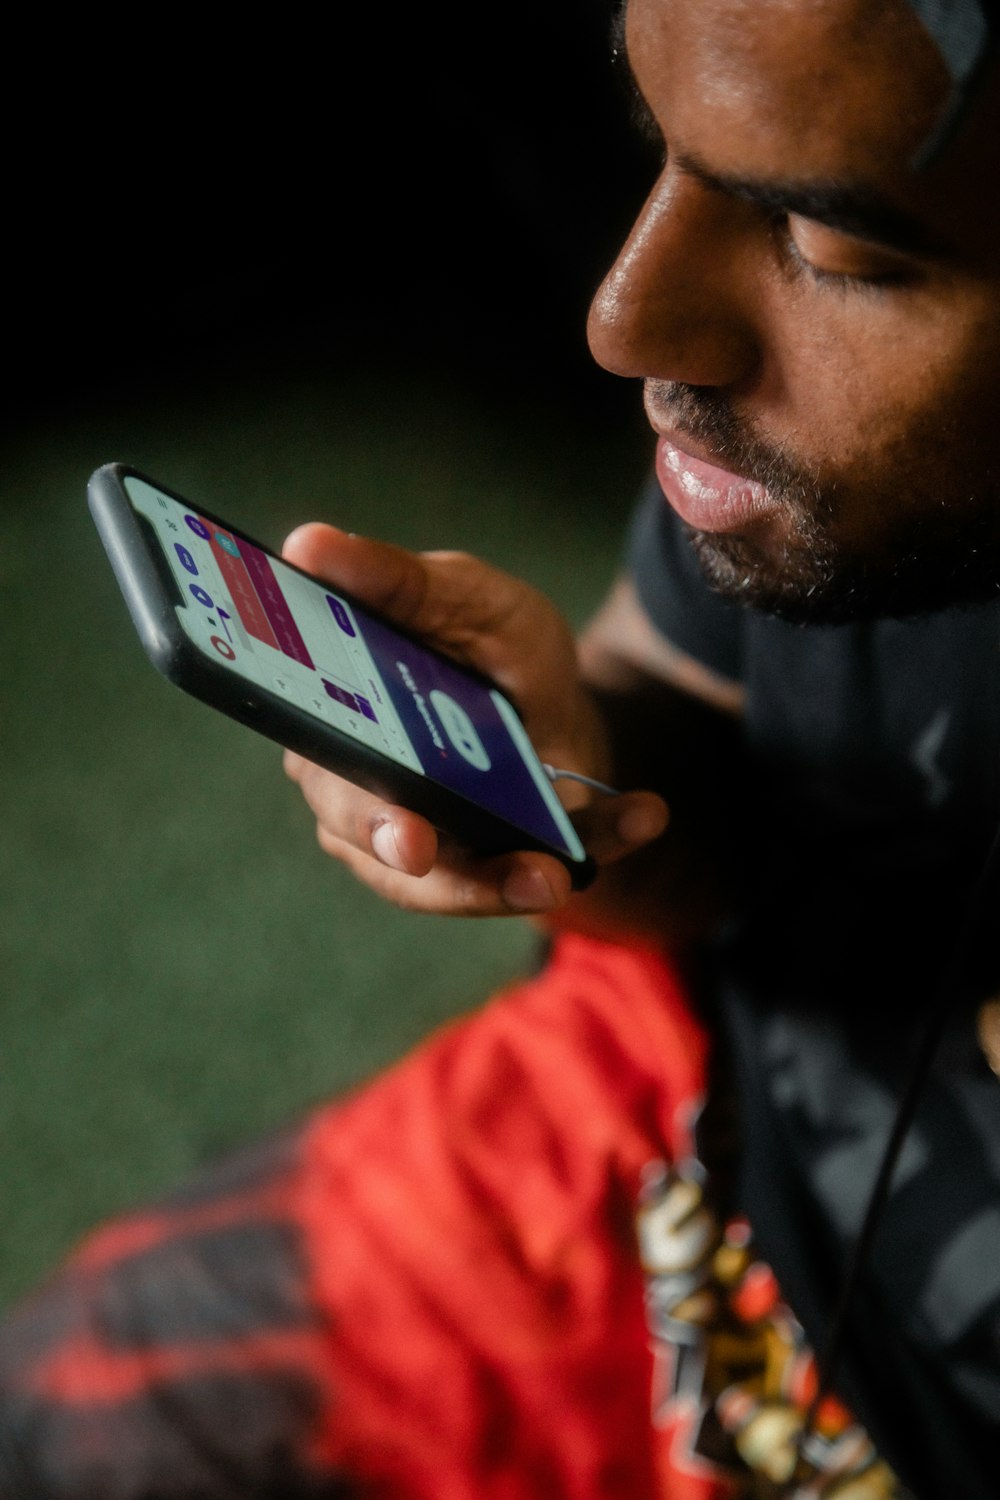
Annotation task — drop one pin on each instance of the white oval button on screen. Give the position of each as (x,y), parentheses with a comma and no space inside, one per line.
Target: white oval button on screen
(460,730)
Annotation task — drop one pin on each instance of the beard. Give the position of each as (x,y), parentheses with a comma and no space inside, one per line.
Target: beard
(932,552)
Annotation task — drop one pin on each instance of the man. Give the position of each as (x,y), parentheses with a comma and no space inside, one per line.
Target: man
(435,1288)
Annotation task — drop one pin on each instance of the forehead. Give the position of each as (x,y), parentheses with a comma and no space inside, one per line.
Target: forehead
(826,85)
(827,94)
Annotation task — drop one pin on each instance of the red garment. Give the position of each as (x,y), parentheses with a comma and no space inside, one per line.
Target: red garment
(430,1291)
(488,1326)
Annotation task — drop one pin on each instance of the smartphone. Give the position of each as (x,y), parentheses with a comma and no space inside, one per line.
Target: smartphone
(309,667)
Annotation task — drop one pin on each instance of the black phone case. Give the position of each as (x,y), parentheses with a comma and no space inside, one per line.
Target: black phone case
(151,594)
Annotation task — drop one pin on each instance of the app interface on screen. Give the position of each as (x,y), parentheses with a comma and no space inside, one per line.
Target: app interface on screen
(298,639)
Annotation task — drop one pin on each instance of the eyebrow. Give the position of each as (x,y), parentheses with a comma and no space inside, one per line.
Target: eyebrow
(857,210)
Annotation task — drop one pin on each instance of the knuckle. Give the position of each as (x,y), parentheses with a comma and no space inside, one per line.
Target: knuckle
(329,842)
(468,897)
(443,891)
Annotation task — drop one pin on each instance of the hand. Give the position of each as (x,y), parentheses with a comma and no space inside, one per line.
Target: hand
(506,629)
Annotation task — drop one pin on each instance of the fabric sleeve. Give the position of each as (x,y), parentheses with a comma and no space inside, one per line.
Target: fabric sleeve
(673,592)
(177,1354)
(428,1290)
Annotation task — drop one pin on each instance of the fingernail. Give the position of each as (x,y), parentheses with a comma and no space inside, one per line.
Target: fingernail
(527,889)
(383,842)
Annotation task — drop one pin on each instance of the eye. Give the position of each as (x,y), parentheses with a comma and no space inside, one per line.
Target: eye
(832,255)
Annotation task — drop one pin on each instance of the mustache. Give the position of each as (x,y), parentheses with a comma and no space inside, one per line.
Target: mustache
(708,416)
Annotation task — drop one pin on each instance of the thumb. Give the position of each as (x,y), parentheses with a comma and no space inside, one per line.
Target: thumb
(388,578)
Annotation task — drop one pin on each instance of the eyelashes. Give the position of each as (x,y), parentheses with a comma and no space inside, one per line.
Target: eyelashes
(876,278)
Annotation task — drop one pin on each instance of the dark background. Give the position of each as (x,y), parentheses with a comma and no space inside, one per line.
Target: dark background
(402,185)
(293,274)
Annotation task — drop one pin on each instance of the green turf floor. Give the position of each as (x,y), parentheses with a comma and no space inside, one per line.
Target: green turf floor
(181,967)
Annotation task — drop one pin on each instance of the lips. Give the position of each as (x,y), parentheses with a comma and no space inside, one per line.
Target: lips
(705,496)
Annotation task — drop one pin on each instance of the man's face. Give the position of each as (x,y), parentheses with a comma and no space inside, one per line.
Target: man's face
(816,319)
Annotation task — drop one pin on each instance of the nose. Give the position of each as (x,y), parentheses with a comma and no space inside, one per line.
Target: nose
(676,304)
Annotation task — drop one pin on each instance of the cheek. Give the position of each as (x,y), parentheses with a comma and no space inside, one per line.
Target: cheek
(868,388)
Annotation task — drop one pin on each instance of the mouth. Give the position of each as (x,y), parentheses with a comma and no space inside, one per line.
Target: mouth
(708,497)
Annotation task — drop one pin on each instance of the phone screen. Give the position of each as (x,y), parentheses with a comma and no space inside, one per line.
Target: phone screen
(293,636)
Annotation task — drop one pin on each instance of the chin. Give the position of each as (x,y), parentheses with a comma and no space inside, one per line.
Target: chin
(816,585)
